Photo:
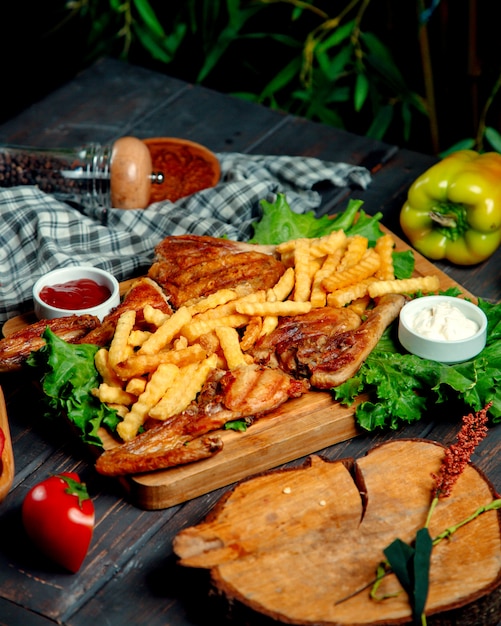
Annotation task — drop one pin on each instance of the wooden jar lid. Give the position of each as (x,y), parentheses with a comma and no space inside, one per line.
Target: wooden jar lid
(130,174)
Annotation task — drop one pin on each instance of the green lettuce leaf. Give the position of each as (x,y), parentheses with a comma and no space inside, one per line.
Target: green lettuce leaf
(279,223)
(403,387)
(68,375)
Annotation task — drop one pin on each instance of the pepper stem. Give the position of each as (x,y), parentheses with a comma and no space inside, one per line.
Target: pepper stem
(449,219)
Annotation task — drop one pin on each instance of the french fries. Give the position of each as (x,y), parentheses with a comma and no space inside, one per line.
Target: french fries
(155,373)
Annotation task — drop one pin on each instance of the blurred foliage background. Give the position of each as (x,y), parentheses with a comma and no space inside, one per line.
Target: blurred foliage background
(423,74)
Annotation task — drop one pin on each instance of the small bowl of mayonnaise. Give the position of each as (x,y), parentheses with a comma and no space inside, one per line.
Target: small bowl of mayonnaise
(442,328)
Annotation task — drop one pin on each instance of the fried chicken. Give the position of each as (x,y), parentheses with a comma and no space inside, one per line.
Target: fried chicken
(142,291)
(190,267)
(15,349)
(316,345)
(245,392)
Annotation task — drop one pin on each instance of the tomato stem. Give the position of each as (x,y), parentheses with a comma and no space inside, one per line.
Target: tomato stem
(76,488)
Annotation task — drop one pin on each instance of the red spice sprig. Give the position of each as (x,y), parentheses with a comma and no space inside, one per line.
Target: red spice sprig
(458,455)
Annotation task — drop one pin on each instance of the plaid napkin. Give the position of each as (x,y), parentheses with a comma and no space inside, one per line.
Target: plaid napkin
(39,233)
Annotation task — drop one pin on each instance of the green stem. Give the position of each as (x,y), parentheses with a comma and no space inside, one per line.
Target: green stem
(433,504)
(448,532)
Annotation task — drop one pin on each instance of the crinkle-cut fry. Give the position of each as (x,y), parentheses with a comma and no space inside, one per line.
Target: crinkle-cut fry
(270,322)
(367,267)
(121,409)
(286,246)
(318,296)
(191,379)
(230,345)
(224,310)
(345,295)
(302,268)
(288,307)
(222,296)
(138,337)
(283,287)
(426,284)
(384,247)
(115,395)
(141,364)
(136,385)
(119,346)
(314,266)
(209,342)
(329,244)
(163,378)
(287,258)
(251,333)
(165,333)
(355,249)
(154,316)
(196,329)
(107,373)
(360,305)
(180,343)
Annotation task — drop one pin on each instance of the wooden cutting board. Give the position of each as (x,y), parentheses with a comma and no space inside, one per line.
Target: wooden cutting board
(298,428)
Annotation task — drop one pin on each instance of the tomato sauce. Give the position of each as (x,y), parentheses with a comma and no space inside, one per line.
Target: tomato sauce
(75,294)
(186,168)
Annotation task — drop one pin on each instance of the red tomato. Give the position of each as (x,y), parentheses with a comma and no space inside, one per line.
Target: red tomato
(58,516)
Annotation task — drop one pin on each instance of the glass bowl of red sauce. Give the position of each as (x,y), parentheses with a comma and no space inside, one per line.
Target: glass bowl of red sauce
(75,291)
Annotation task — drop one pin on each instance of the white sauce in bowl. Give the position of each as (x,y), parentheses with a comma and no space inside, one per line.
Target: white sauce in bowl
(443,321)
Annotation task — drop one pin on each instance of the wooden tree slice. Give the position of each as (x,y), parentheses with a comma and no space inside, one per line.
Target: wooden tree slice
(293,544)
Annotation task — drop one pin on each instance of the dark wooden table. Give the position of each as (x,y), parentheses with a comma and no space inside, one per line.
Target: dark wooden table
(130,575)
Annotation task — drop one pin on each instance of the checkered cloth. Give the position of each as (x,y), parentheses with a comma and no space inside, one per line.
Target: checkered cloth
(39,233)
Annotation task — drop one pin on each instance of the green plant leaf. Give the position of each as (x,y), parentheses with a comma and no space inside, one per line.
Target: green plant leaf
(400,556)
(286,75)
(361,91)
(149,17)
(421,572)
(342,32)
(381,122)
(493,137)
(157,48)
(336,66)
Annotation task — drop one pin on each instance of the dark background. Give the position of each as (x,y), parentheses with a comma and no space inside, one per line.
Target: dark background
(36,57)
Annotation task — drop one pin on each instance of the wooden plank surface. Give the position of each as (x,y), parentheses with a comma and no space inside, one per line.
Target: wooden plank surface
(299,427)
(131,575)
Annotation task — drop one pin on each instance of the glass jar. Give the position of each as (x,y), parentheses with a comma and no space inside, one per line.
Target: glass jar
(117,175)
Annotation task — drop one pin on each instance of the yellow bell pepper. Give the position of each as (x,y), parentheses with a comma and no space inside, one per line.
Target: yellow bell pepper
(453,210)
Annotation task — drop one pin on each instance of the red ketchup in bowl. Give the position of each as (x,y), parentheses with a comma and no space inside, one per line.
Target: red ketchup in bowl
(74,295)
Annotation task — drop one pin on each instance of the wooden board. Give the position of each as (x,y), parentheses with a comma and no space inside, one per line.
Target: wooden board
(299,427)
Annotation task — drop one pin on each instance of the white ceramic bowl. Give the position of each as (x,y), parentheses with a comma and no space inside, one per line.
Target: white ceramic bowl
(66,274)
(436,349)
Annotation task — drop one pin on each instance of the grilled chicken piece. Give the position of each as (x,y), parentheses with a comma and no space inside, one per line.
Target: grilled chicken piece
(306,334)
(142,291)
(329,358)
(246,392)
(148,457)
(189,267)
(15,349)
